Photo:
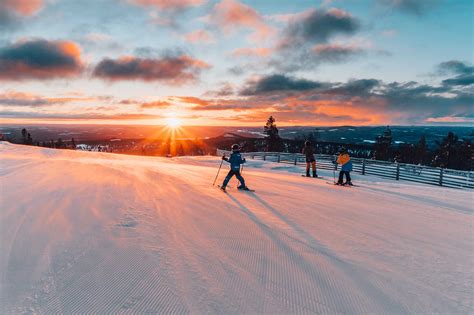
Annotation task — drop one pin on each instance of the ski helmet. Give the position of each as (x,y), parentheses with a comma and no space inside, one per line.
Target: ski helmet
(307,143)
(235,147)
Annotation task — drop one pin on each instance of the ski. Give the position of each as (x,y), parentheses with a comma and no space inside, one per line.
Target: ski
(334,184)
(250,190)
(319,177)
(220,188)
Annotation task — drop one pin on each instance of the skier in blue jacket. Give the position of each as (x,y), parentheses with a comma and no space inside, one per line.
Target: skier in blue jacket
(235,161)
(346,168)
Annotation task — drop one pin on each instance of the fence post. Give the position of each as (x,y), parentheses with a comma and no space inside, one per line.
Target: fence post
(278,157)
(441,171)
(363,166)
(264,157)
(296,159)
(397,176)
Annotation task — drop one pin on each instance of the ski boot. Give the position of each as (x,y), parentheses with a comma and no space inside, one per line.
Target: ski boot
(348,184)
(222,188)
(314,174)
(243,188)
(307,173)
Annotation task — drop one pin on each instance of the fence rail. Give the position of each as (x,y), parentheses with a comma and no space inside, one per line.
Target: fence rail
(397,171)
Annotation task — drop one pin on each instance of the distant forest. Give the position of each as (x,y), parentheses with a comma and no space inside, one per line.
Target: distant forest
(450,151)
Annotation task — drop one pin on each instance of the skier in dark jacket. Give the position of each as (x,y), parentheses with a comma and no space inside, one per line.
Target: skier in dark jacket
(308,151)
(235,159)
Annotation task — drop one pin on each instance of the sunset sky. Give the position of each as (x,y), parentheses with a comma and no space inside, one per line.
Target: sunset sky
(232,62)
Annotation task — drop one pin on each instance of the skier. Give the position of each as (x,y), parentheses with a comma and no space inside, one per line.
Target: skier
(346,167)
(308,151)
(235,161)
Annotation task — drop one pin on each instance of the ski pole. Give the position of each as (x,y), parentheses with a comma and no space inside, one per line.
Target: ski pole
(217,173)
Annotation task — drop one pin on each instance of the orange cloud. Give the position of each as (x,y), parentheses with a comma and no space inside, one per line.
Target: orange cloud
(168,4)
(231,14)
(199,37)
(252,52)
(23,7)
(155,104)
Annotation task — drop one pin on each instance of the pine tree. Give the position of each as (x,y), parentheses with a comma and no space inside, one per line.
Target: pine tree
(421,151)
(273,141)
(382,145)
(23,135)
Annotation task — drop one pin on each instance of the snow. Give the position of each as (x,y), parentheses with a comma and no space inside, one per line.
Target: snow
(90,232)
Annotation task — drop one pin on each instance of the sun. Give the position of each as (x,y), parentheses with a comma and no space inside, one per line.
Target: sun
(173,122)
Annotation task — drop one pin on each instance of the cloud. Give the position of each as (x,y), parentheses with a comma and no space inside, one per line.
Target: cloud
(13,12)
(170,69)
(252,52)
(168,5)
(155,104)
(318,26)
(415,7)
(308,39)
(361,101)
(337,52)
(24,8)
(455,66)
(277,83)
(40,59)
(199,37)
(226,89)
(230,15)
(464,73)
(89,115)
(22,99)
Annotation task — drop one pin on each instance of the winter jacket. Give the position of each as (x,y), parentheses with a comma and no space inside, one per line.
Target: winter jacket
(235,160)
(345,161)
(308,151)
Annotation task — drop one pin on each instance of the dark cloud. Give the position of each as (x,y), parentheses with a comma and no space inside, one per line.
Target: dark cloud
(456,67)
(463,71)
(416,7)
(278,82)
(8,21)
(318,26)
(308,40)
(40,59)
(176,70)
(337,53)
(353,88)
(462,80)
(362,101)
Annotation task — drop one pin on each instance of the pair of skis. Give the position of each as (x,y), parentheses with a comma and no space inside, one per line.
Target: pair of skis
(248,189)
(329,183)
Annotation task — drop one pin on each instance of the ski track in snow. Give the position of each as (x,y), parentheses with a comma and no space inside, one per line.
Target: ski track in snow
(99,233)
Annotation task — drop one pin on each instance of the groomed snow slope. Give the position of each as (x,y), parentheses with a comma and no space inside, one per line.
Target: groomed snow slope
(85,232)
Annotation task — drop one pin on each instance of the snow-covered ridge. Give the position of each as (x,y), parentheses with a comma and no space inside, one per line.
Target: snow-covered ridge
(86,232)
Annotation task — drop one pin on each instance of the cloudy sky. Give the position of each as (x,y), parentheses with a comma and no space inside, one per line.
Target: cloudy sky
(229,62)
